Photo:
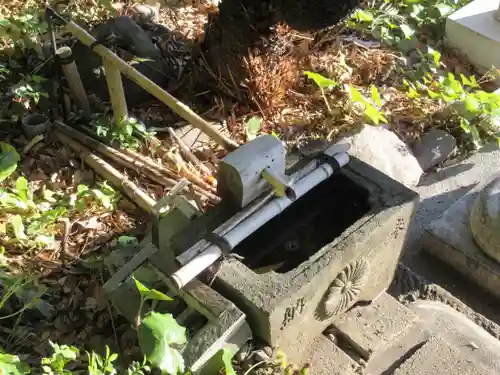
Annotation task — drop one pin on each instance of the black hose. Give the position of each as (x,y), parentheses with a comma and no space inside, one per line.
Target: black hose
(57,94)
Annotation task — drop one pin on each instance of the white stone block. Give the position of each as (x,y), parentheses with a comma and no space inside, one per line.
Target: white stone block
(383,150)
(475,32)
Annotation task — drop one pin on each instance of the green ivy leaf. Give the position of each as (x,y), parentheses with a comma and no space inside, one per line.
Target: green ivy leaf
(444,9)
(254,125)
(321,81)
(12,365)
(472,104)
(8,160)
(157,333)
(373,114)
(375,95)
(150,294)
(227,359)
(23,190)
(356,95)
(407,30)
(364,16)
(127,241)
(476,138)
(16,222)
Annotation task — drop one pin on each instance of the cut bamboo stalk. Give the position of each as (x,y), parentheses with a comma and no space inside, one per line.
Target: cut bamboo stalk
(176,105)
(116,92)
(72,75)
(188,154)
(131,162)
(109,173)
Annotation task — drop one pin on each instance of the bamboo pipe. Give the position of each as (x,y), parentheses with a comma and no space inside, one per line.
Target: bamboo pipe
(116,92)
(72,75)
(151,170)
(114,176)
(177,106)
(255,221)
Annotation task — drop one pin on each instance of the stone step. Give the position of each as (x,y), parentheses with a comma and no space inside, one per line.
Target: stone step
(420,338)
(326,358)
(371,329)
(438,357)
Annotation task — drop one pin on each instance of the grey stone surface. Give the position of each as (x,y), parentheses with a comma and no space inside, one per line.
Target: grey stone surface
(473,342)
(408,287)
(434,148)
(485,218)
(450,239)
(194,138)
(372,328)
(326,358)
(437,357)
(382,149)
(439,190)
(442,341)
(289,307)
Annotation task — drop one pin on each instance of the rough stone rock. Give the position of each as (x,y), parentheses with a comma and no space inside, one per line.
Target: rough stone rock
(145,13)
(485,218)
(129,37)
(383,150)
(434,148)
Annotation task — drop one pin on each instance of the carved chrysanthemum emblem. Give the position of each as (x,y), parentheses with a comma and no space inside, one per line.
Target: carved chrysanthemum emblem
(346,288)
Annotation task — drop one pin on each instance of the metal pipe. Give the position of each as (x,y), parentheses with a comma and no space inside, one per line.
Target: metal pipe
(201,262)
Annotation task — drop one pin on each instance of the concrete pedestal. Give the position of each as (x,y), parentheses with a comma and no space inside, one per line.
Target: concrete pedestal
(475,31)
(450,239)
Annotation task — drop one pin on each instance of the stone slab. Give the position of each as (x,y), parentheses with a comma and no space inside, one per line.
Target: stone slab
(326,358)
(443,341)
(437,357)
(372,328)
(475,32)
(195,139)
(473,343)
(440,189)
(449,238)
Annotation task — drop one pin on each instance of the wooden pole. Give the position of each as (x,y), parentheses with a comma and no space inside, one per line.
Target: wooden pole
(116,92)
(72,75)
(177,106)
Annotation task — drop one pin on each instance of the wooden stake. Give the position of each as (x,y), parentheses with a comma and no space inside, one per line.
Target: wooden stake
(177,106)
(72,75)
(115,177)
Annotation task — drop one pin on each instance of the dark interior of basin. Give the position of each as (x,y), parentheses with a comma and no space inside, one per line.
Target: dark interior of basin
(310,223)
